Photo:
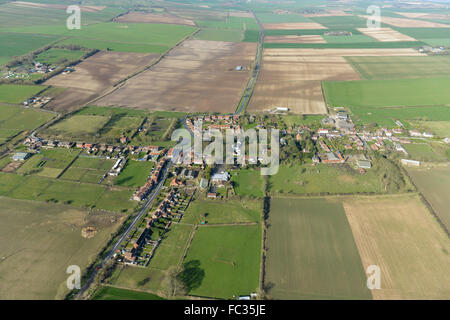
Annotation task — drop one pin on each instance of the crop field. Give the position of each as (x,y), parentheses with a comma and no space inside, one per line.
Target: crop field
(355,39)
(225,261)
(399,235)
(111,293)
(134,174)
(385,34)
(88,169)
(309,243)
(144,17)
(384,68)
(439,128)
(192,70)
(171,250)
(16,119)
(15,44)
(336,22)
(269,17)
(221,212)
(37,257)
(408,23)
(295,39)
(248,182)
(332,179)
(387,93)
(16,94)
(87,82)
(293,26)
(434,183)
(241,23)
(232,35)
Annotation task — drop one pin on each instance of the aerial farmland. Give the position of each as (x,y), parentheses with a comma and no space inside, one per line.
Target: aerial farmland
(113,133)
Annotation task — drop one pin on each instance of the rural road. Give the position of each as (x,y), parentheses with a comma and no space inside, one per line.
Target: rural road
(249,90)
(141,213)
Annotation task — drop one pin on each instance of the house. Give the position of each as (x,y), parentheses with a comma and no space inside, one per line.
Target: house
(212,195)
(364,164)
(415,133)
(322,131)
(21,156)
(175,183)
(220,177)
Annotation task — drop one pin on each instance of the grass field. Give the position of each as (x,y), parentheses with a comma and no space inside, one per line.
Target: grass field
(225,260)
(386,93)
(311,252)
(16,94)
(77,127)
(400,236)
(171,250)
(385,68)
(439,128)
(386,116)
(40,241)
(134,174)
(305,179)
(86,169)
(341,21)
(230,23)
(219,212)
(144,279)
(16,119)
(434,183)
(425,152)
(55,55)
(248,182)
(57,159)
(111,293)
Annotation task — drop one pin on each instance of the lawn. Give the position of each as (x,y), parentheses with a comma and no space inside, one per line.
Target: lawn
(434,184)
(248,182)
(111,293)
(385,68)
(219,212)
(386,93)
(311,252)
(16,94)
(135,174)
(37,257)
(224,262)
(399,235)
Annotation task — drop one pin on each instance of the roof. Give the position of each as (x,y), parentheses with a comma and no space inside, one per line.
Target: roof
(20,156)
(224,176)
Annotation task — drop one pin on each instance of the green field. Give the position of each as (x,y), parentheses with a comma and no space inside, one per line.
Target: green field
(386,116)
(311,252)
(87,169)
(172,248)
(425,152)
(348,45)
(15,44)
(434,184)
(219,212)
(224,261)
(57,159)
(111,293)
(387,93)
(55,55)
(268,17)
(232,35)
(16,94)
(325,179)
(248,182)
(230,23)
(145,279)
(16,119)
(341,21)
(40,241)
(356,38)
(77,127)
(135,174)
(385,68)
(439,128)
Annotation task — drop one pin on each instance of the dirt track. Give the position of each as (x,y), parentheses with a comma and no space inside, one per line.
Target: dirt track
(197,75)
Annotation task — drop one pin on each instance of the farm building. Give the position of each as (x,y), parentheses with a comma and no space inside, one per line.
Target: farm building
(220,176)
(21,156)
(364,164)
(408,162)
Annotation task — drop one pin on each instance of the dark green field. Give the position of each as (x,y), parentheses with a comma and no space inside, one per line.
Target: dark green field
(311,252)
(111,293)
